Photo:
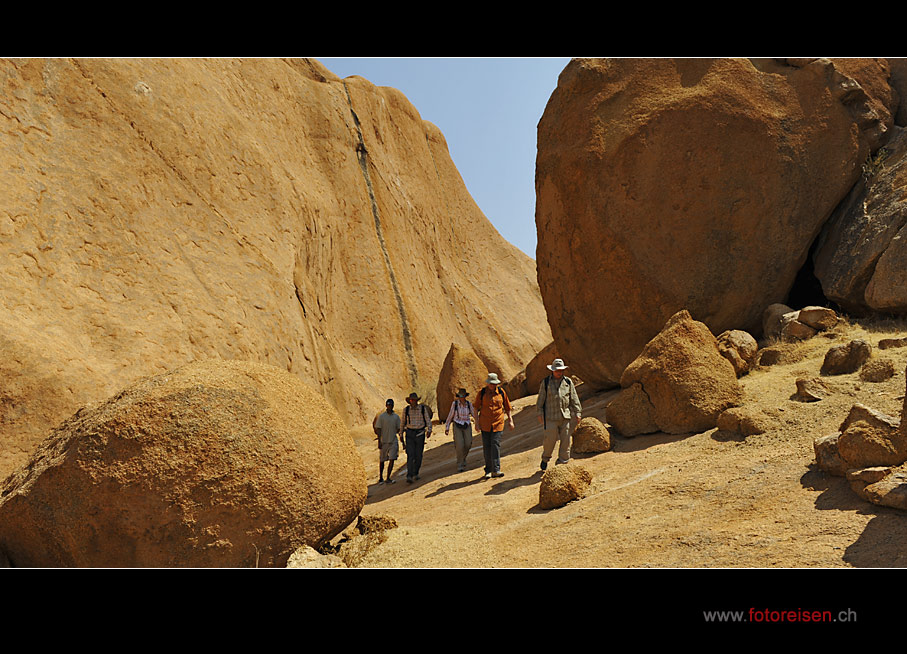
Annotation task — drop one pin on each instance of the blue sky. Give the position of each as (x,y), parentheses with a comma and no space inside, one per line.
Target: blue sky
(488,110)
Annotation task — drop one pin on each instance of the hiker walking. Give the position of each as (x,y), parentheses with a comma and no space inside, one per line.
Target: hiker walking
(460,413)
(557,402)
(387,426)
(493,409)
(416,426)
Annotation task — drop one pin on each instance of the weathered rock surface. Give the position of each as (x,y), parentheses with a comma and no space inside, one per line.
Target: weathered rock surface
(846,358)
(888,343)
(774,318)
(877,370)
(631,412)
(690,184)
(590,436)
(889,490)
(562,484)
(158,211)
(871,438)
(684,376)
(819,318)
(215,464)
(461,369)
(307,557)
(828,458)
(743,421)
(738,347)
(811,389)
(862,257)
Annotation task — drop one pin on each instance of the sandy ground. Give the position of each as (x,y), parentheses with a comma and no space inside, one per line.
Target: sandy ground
(705,500)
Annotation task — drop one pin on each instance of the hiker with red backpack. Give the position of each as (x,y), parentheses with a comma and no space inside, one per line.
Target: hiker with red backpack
(494,410)
(557,402)
(416,427)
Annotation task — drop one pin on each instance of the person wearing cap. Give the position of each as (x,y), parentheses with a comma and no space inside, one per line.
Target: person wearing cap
(557,403)
(387,426)
(494,411)
(460,412)
(416,425)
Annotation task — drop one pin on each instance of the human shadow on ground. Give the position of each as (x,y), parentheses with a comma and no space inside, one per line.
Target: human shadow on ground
(502,487)
(881,545)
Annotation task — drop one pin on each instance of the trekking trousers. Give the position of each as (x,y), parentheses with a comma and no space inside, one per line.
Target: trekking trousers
(560,431)
(415,446)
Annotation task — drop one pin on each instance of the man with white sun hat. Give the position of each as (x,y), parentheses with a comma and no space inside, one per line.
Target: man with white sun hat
(557,403)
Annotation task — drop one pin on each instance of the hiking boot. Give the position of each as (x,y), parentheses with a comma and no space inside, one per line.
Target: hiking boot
(487,475)
(560,461)
(498,474)
(544,465)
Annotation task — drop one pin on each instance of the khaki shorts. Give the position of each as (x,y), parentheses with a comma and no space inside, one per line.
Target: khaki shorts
(389,451)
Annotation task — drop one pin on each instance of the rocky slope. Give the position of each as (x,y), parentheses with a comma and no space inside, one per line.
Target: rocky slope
(157,212)
(697,500)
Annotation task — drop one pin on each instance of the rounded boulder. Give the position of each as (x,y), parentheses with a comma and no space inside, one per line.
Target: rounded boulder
(215,464)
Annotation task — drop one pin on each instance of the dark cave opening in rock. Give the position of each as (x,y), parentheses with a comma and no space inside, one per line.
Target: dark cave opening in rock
(807,290)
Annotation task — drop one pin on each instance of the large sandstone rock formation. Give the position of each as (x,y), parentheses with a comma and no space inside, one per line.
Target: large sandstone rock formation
(161,211)
(214,464)
(861,259)
(461,369)
(690,184)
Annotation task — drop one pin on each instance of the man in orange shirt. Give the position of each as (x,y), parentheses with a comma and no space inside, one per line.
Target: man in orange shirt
(493,408)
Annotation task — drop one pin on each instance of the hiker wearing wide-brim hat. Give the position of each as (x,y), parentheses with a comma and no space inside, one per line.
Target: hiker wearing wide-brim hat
(556,404)
(461,410)
(416,426)
(494,411)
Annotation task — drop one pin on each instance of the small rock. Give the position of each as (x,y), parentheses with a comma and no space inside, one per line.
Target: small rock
(847,358)
(373,523)
(877,370)
(794,330)
(811,390)
(772,320)
(562,484)
(742,420)
(738,347)
(768,356)
(870,438)
(827,456)
(591,436)
(819,318)
(307,557)
(888,343)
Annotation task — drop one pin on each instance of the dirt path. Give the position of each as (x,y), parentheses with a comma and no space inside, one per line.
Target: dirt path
(699,500)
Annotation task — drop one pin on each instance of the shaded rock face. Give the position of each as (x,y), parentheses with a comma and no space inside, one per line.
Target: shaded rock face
(159,211)
(685,378)
(690,184)
(216,464)
(461,369)
(861,261)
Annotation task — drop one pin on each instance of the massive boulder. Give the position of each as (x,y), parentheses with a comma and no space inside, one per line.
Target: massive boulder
(694,184)
(215,464)
(683,377)
(861,259)
(158,211)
